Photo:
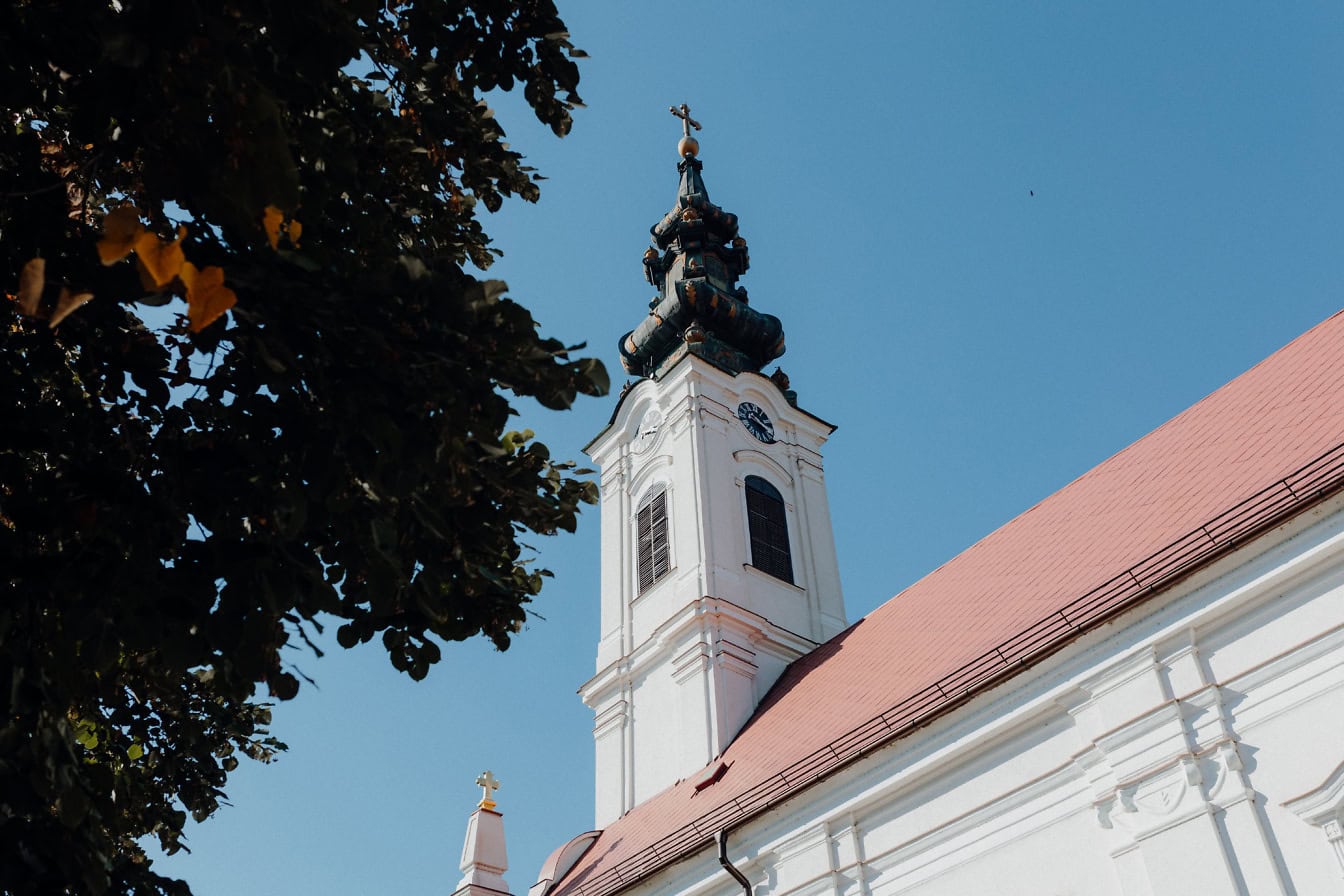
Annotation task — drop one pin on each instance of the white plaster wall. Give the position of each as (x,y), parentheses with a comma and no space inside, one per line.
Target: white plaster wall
(658,711)
(611,733)
(1061,859)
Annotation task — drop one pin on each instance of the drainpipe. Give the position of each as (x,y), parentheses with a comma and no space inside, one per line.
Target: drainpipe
(722,839)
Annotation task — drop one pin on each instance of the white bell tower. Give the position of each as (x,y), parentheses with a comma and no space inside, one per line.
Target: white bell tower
(718,560)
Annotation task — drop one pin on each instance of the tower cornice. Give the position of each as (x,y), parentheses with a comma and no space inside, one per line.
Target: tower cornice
(752,627)
(697,366)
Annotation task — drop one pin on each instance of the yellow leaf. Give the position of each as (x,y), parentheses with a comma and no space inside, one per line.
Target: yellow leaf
(67,303)
(160,259)
(121,228)
(146,281)
(270,221)
(134,752)
(32,280)
(207,296)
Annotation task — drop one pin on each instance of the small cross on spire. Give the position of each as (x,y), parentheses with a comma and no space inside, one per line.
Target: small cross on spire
(687,122)
(488,784)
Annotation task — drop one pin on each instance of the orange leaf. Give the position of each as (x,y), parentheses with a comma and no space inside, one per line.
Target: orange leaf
(32,280)
(270,221)
(294,231)
(68,302)
(160,259)
(121,228)
(207,296)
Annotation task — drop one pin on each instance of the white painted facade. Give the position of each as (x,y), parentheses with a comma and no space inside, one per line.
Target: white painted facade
(1193,746)
(681,666)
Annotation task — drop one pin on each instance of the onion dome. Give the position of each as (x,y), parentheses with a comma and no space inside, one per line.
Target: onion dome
(695,260)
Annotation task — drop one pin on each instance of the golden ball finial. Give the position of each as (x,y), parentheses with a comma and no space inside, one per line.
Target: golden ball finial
(688,147)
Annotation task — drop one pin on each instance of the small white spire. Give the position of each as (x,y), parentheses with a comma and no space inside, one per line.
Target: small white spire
(484,858)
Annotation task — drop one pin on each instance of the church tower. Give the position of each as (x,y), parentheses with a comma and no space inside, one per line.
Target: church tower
(718,561)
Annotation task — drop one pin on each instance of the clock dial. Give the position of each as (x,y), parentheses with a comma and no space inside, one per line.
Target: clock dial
(757,421)
(648,429)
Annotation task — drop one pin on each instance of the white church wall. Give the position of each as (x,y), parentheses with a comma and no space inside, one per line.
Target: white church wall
(1062,859)
(663,729)
(950,809)
(1153,757)
(823,570)
(612,733)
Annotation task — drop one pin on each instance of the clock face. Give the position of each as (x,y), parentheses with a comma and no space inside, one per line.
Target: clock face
(648,429)
(757,421)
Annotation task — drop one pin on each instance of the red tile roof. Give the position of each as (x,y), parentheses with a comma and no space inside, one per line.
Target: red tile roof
(1250,455)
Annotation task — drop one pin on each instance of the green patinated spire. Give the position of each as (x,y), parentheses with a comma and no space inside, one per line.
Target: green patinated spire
(696,258)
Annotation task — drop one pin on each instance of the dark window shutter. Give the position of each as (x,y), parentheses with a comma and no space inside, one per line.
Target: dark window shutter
(651,537)
(769,529)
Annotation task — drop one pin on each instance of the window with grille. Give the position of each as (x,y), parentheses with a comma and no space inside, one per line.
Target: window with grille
(769,531)
(651,538)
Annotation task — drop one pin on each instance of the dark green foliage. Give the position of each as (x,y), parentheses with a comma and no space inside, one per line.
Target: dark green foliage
(177,509)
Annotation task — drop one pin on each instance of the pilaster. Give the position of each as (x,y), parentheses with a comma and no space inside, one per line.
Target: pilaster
(1169,781)
(1323,808)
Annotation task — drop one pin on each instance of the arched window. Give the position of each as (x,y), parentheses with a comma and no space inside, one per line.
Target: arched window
(651,539)
(769,530)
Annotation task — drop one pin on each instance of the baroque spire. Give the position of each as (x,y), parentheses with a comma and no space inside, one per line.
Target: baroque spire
(695,260)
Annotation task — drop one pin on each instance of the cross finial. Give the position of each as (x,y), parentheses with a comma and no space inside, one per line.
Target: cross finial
(688,146)
(687,122)
(488,784)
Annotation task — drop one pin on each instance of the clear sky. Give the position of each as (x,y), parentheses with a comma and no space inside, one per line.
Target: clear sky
(1005,240)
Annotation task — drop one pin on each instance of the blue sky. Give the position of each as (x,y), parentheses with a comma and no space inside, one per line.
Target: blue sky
(977,345)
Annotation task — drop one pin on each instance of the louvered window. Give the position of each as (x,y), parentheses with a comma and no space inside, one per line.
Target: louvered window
(769,531)
(651,536)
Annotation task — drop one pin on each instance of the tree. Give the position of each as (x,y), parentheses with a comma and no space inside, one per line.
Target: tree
(250,389)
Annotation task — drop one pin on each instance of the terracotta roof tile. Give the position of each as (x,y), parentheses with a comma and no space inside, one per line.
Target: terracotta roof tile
(1221,470)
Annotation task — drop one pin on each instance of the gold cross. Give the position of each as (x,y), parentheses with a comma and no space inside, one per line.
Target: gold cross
(488,784)
(687,122)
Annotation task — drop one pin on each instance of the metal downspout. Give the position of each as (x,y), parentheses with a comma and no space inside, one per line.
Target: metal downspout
(722,839)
